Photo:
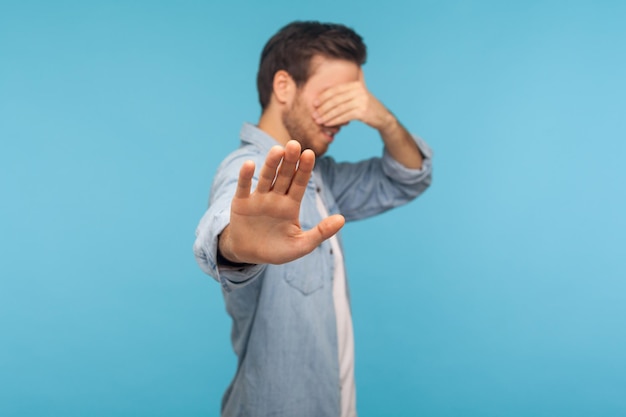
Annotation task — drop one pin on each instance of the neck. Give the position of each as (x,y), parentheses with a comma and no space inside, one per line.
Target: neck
(271,123)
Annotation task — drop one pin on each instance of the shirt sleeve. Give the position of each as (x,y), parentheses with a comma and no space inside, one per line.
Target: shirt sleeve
(215,219)
(370,187)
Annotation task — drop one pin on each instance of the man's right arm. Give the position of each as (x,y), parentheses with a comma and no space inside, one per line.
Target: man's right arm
(263,226)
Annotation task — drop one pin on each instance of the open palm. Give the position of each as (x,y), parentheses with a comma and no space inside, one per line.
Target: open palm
(264,225)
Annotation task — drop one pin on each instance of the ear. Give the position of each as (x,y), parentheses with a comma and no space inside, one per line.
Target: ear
(284,87)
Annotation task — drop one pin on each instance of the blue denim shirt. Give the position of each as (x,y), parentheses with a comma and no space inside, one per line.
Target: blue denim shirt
(284,329)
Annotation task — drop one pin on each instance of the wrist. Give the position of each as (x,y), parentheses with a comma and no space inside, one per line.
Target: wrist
(388,125)
(223,261)
(225,256)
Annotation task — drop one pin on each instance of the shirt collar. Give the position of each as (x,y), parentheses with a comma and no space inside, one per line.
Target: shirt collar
(253,135)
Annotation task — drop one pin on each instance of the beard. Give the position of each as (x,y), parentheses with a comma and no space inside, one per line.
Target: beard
(301,127)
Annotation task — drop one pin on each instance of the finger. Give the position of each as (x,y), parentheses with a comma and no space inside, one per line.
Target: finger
(337,105)
(340,97)
(287,167)
(332,107)
(342,119)
(245,180)
(331,92)
(345,112)
(302,175)
(333,101)
(324,230)
(268,171)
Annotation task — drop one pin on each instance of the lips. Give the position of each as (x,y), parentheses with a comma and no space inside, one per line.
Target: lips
(330,133)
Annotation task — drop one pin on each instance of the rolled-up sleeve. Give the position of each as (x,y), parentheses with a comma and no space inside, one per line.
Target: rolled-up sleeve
(215,219)
(370,187)
(400,173)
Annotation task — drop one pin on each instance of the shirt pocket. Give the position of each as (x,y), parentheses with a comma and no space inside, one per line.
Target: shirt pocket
(306,274)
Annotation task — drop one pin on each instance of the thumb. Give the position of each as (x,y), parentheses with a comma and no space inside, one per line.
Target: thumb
(324,230)
(330,225)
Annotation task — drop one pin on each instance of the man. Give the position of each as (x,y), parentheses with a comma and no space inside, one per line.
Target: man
(270,235)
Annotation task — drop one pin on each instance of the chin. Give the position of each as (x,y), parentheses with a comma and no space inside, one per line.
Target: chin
(320,152)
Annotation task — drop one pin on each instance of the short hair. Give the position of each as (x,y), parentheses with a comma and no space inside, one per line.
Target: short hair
(292,48)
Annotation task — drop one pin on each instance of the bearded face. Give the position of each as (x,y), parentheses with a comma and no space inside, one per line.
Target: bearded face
(298,121)
(298,117)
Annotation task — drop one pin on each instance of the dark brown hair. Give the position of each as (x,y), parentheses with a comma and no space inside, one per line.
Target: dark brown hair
(292,48)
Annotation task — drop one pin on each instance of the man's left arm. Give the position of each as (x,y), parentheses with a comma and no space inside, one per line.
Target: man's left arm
(341,104)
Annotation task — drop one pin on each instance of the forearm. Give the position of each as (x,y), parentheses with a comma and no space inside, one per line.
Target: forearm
(399,143)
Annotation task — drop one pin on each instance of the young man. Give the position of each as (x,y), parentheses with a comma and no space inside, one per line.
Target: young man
(270,236)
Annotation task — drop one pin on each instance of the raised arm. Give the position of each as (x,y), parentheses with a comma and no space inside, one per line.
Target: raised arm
(264,225)
(343,103)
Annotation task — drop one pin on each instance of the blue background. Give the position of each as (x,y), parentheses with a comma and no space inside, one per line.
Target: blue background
(500,292)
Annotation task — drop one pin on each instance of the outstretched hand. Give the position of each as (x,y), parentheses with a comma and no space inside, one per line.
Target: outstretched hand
(264,225)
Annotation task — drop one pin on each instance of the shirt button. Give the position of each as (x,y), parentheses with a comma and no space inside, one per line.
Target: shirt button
(331,251)
(318,189)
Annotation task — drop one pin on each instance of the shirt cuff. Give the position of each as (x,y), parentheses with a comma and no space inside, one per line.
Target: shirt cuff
(205,251)
(399,172)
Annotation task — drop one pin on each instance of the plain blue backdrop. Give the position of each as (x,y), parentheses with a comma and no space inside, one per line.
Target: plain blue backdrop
(499,292)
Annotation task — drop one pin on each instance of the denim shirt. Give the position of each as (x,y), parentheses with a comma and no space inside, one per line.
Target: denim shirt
(283,321)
